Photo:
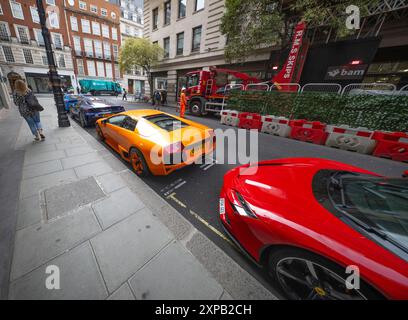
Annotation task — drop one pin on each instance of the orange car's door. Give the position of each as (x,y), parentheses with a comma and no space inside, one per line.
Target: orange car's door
(110,128)
(126,134)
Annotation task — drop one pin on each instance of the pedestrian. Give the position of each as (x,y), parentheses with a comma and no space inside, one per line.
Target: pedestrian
(183,102)
(124,94)
(157,97)
(29,108)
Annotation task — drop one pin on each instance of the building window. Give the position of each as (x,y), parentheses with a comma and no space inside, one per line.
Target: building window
(166,47)
(82,5)
(101,69)
(77,45)
(4,32)
(196,39)
(88,47)
(91,68)
(74,23)
(86,26)
(61,61)
(39,37)
(107,50)
(180,43)
(53,20)
(108,67)
(104,12)
(117,72)
(114,34)
(182,8)
(22,33)
(105,31)
(80,66)
(115,51)
(155,18)
(34,15)
(167,12)
(8,54)
(50,2)
(28,57)
(44,59)
(96,28)
(94,9)
(199,5)
(16,10)
(57,40)
(1,10)
(98,49)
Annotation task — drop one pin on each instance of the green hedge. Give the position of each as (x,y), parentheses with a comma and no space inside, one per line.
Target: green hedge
(382,112)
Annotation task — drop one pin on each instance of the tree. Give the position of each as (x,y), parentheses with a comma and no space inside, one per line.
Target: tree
(140,53)
(253,24)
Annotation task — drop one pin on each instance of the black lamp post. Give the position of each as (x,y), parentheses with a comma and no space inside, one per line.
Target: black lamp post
(55,80)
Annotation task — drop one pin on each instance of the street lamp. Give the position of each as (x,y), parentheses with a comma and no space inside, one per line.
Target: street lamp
(55,80)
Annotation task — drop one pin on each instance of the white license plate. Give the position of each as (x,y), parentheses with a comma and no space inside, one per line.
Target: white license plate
(222,206)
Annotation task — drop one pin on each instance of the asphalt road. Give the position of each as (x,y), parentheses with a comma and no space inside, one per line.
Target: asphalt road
(194,190)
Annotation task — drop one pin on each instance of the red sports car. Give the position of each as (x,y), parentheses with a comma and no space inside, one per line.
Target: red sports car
(323,229)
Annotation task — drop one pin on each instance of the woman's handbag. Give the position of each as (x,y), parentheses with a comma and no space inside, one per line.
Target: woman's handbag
(33,103)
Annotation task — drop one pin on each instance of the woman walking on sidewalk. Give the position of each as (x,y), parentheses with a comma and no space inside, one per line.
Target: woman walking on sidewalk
(29,108)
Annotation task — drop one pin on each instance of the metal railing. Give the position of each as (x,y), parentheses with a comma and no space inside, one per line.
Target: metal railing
(257,87)
(322,87)
(353,88)
(286,87)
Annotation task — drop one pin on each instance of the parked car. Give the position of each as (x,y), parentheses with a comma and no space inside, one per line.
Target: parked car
(71,99)
(136,134)
(98,87)
(89,109)
(312,223)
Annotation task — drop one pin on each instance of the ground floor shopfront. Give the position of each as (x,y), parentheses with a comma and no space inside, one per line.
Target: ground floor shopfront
(36,78)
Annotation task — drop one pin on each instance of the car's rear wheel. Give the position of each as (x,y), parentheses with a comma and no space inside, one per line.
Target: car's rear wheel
(302,275)
(99,132)
(82,120)
(138,162)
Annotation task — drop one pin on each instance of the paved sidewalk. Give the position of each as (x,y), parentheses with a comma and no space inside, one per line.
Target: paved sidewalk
(111,236)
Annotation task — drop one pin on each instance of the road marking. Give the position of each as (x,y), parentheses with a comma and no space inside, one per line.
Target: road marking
(209,226)
(173,197)
(211,165)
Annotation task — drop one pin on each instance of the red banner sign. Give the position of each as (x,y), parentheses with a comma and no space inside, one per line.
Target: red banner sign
(286,74)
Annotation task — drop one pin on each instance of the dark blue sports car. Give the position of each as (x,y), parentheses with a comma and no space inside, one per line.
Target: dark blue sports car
(89,109)
(71,99)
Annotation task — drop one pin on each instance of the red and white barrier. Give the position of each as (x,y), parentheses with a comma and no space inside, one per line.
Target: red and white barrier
(392,145)
(230,117)
(352,139)
(249,121)
(278,126)
(308,131)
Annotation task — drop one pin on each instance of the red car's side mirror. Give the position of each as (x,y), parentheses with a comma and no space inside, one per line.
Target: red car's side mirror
(405,174)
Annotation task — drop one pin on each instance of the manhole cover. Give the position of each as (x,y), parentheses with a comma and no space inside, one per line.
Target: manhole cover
(62,199)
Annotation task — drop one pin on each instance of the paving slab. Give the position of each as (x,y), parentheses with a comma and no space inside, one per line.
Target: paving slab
(33,186)
(93,169)
(111,182)
(29,212)
(80,279)
(40,169)
(125,247)
(75,151)
(60,200)
(123,293)
(174,274)
(37,156)
(119,205)
(39,243)
(78,161)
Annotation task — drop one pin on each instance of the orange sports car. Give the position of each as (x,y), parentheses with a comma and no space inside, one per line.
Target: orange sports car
(155,142)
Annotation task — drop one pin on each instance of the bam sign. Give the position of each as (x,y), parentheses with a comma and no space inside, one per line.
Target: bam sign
(346,72)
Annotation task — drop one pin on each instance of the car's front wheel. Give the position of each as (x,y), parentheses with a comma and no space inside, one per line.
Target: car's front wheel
(302,275)
(138,162)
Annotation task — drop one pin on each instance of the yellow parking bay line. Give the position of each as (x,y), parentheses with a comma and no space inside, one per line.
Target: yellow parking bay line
(173,197)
